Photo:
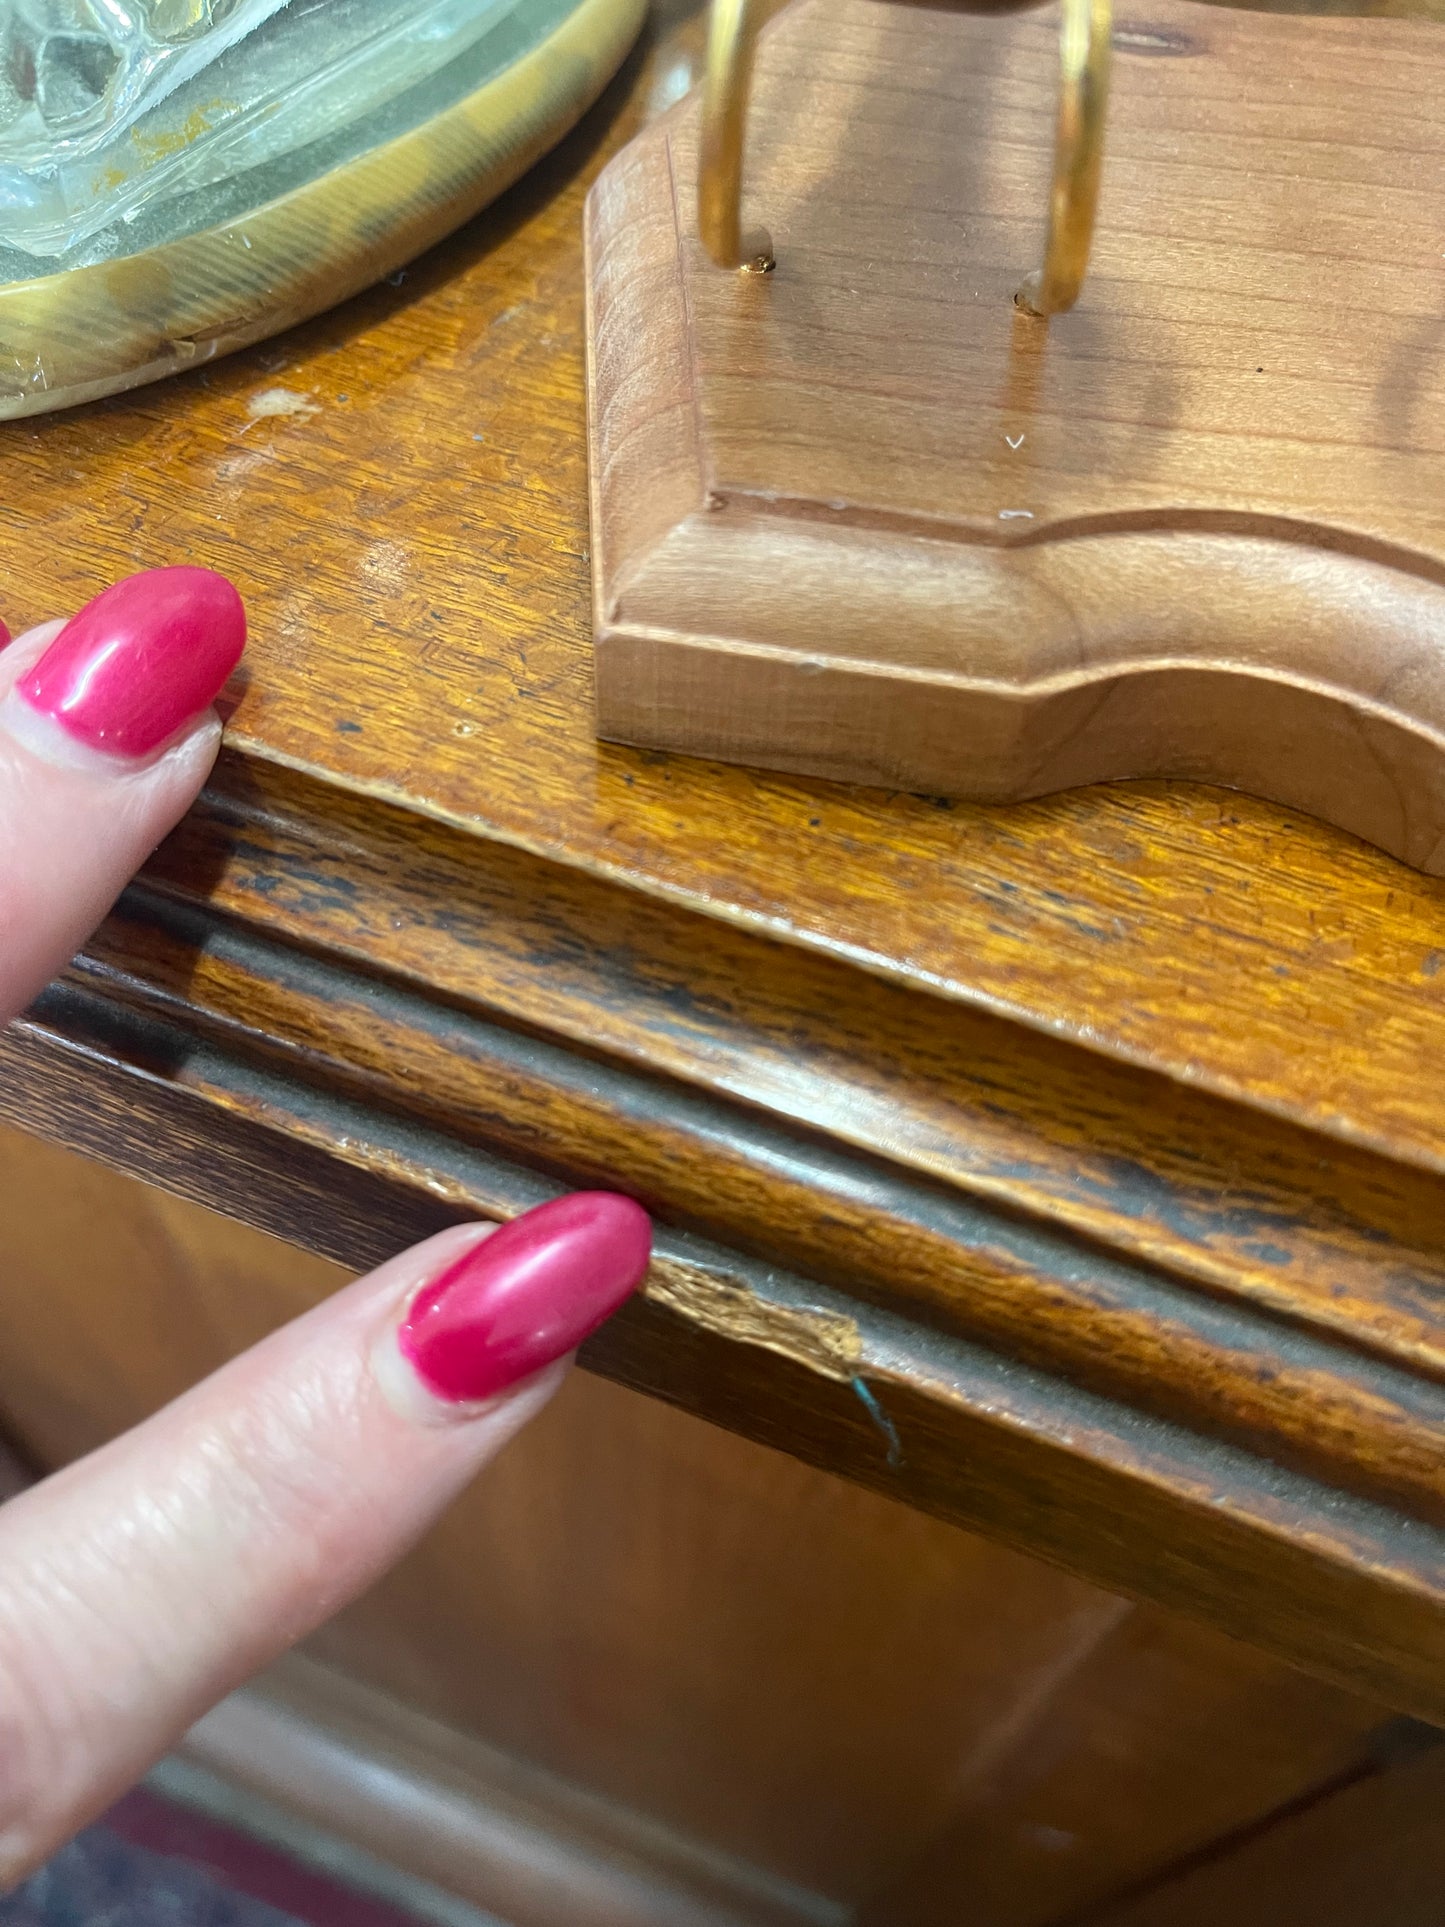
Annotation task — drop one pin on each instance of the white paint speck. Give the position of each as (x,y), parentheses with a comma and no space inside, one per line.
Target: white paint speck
(1015,515)
(271,402)
(1014,441)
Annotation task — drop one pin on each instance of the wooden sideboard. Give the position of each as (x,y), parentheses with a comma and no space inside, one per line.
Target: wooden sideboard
(647,1673)
(1068,1172)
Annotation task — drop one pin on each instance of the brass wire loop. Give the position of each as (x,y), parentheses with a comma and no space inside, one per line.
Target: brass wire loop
(1084,46)
(1084,58)
(731,38)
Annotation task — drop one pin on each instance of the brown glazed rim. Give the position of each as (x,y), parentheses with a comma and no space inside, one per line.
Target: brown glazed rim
(75,336)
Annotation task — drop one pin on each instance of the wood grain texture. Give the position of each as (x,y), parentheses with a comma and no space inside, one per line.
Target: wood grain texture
(1231,1406)
(1098,1138)
(861,518)
(1082,1808)
(652,1642)
(824,1051)
(421,633)
(1373,1856)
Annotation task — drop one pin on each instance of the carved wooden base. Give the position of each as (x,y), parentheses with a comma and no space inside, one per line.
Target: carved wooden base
(864,519)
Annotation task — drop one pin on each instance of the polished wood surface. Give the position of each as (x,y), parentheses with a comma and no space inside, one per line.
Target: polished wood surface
(864,519)
(675,1672)
(1069,1171)
(467,1817)
(1371,1856)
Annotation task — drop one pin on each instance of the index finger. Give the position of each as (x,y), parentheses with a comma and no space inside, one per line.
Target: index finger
(106,736)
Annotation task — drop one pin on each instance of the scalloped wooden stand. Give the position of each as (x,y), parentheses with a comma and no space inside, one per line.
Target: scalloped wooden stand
(862,518)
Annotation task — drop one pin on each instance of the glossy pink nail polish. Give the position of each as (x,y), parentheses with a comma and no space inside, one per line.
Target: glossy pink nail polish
(532,1292)
(141,660)
(4,636)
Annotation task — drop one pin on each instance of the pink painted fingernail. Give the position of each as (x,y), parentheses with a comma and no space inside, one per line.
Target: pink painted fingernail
(4,636)
(528,1295)
(141,660)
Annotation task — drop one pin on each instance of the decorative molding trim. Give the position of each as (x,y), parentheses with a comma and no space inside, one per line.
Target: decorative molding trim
(1178,1345)
(472,1820)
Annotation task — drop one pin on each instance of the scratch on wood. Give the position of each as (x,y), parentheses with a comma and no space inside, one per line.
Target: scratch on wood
(828,1342)
(881,1419)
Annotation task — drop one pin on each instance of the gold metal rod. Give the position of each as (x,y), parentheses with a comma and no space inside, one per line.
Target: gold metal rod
(1084,46)
(732,36)
(1078,158)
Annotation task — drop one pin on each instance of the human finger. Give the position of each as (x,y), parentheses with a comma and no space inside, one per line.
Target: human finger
(141,1584)
(106,736)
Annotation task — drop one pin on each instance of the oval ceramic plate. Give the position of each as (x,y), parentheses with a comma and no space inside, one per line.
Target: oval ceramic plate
(90,331)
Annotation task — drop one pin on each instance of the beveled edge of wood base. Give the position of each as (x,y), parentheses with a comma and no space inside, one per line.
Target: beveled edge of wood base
(1042,665)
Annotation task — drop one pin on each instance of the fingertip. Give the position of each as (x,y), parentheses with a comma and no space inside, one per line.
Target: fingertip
(513,1302)
(81,818)
(530,1294)
(140,662)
